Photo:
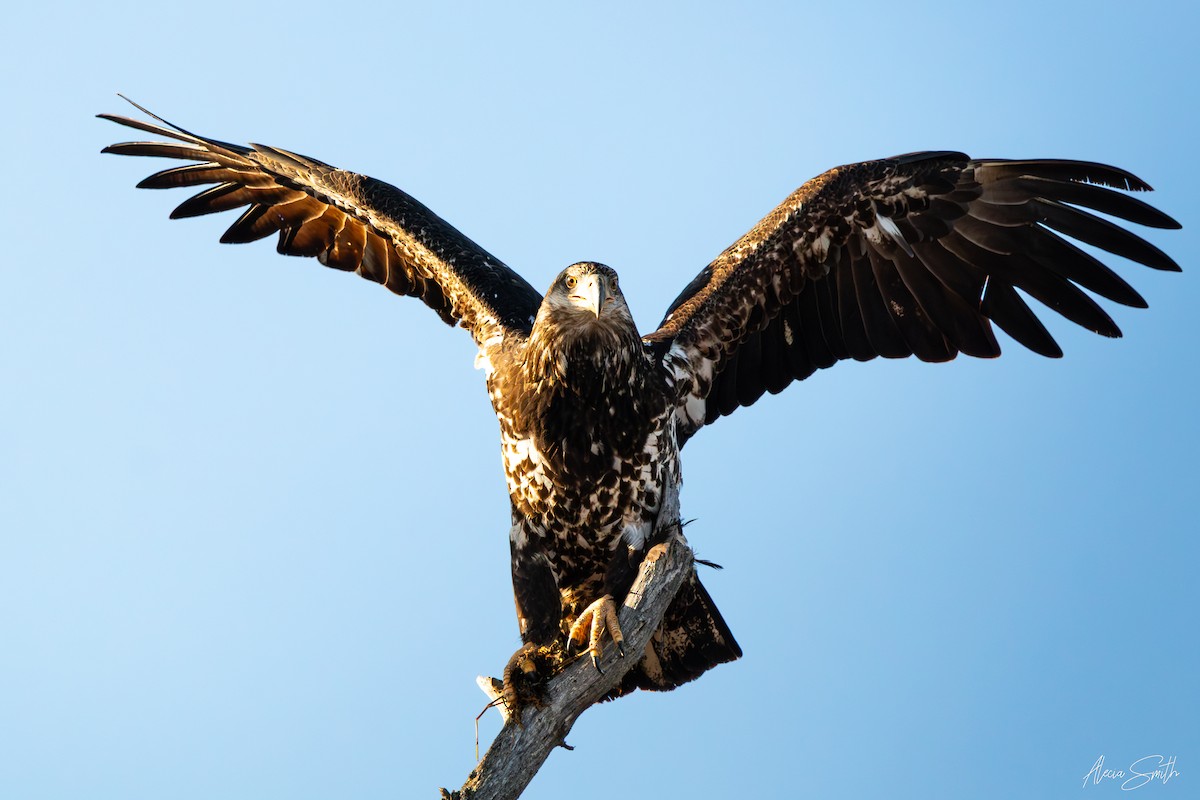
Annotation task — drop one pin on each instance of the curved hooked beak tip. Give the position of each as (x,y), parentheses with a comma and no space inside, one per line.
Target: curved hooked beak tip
(592,293)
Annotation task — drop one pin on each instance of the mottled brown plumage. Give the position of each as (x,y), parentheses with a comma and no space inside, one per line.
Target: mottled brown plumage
(912,255)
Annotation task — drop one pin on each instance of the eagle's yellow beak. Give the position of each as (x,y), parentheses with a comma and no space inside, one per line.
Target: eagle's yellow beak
(591,292)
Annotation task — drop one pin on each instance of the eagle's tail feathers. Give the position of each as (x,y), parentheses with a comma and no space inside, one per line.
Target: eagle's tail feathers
(692,639)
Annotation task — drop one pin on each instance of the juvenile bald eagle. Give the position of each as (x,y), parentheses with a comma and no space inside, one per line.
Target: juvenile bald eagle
(913,255)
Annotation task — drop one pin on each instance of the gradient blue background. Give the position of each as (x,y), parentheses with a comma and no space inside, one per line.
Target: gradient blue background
(253,530)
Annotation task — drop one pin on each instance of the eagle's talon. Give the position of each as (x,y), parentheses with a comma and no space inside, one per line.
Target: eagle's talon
(597,618)
(525,678)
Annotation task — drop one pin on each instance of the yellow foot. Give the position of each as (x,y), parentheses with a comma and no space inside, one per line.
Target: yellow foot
(599,617)
(526,675)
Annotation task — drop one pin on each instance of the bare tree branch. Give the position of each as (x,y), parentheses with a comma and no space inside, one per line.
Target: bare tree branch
(520,750)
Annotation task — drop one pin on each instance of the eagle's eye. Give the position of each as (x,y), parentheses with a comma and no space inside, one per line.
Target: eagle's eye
(571,281)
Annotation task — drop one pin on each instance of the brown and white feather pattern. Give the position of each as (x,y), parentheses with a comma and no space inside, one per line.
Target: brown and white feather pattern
(586,412)
(347,221)
(912,255)
(587,438)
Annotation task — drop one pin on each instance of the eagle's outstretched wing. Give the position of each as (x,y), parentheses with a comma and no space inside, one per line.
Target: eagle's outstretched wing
(348,221)
(912,255)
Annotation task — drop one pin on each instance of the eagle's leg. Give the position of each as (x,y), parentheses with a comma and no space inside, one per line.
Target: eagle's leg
(599,617)
(539,610)
(520,674)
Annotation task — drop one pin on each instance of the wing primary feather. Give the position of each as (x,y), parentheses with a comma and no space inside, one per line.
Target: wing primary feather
(202,203)
(250,226)
(987,171)
(1049,288)
(186,175)
(171,129)
(1059,255)
(962,326)
(1004,306)
(1051,252)
(1101,233)
(1018,191)
(254,225)
(961,277)
(186,152)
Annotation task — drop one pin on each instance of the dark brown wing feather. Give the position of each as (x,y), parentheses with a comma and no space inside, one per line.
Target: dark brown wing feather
(347,221)
(912,255)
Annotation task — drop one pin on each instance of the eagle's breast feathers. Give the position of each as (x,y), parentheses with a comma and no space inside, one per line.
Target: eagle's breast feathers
(587,441)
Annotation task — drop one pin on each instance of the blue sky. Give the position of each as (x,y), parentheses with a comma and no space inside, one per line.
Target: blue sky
(254,527)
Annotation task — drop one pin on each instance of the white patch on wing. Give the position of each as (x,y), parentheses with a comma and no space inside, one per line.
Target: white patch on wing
(483,362)
(634,534)
(694,408)
(888,226)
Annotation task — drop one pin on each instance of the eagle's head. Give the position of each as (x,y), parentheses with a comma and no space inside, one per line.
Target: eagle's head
(585,302)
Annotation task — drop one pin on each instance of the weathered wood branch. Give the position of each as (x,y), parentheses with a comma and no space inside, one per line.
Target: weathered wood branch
(519,751)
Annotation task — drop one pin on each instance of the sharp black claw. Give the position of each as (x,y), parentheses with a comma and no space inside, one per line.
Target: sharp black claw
(620,649)
(596,664)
